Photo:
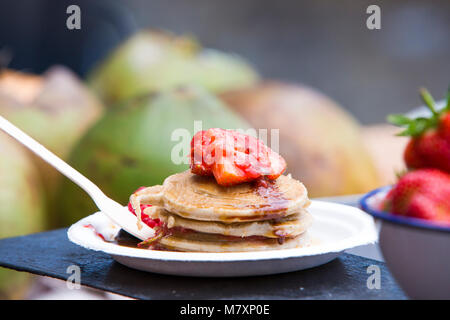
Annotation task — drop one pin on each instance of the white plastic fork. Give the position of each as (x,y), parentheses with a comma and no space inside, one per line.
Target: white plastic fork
(116,212)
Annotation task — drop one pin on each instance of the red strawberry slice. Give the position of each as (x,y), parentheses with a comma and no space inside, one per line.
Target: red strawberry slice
(145,218)
(233,157)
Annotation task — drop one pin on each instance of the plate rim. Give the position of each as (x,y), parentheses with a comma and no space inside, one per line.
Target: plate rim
(366,235)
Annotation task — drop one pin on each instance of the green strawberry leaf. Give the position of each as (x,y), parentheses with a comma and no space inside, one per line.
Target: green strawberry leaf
(401,173)
(447,106)
(398,119)
(428,99)
(419,126)
(416,127)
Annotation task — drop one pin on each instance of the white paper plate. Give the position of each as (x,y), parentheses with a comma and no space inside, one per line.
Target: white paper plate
(335,228)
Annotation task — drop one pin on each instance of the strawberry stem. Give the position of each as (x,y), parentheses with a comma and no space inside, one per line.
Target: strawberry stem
(429,101)
(416,127)
(447,106)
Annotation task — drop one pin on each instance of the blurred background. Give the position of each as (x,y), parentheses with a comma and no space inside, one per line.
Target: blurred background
(106,97)
(321,43)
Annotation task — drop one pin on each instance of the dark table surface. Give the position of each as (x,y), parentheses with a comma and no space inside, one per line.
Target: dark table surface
(51,253)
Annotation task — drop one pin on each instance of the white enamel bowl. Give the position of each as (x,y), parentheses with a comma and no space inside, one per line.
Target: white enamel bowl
(416,251)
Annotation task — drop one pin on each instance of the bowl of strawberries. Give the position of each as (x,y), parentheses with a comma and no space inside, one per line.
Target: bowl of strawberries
(415,211)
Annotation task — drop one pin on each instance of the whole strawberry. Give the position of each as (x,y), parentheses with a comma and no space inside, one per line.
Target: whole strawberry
(423,193)
(429,146)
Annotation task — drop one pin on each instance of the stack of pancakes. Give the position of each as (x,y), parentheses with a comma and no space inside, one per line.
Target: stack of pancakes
(206,217)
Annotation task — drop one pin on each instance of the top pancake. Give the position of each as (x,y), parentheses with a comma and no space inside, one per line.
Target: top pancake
(201,198)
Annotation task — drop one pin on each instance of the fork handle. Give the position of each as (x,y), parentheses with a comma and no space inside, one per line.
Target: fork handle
(48,156)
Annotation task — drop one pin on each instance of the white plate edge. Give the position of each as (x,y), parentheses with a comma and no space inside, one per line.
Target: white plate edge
(367,235)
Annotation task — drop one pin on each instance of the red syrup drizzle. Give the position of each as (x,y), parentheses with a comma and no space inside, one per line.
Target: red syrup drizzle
(90,226)
(157,225)
(264,187)
(144,217)
(275,200)
(269,191)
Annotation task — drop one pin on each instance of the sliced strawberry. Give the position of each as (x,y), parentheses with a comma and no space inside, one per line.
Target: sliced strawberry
(233,158)
(227,174)
(145,218)
(90,226)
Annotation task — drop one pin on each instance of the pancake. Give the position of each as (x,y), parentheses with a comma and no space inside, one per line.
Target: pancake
(201,198)
(290,226)
(198,242)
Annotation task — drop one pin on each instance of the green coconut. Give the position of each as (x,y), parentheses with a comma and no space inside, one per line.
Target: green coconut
(152,61)
(140,143)
(55,108)
(21,207)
